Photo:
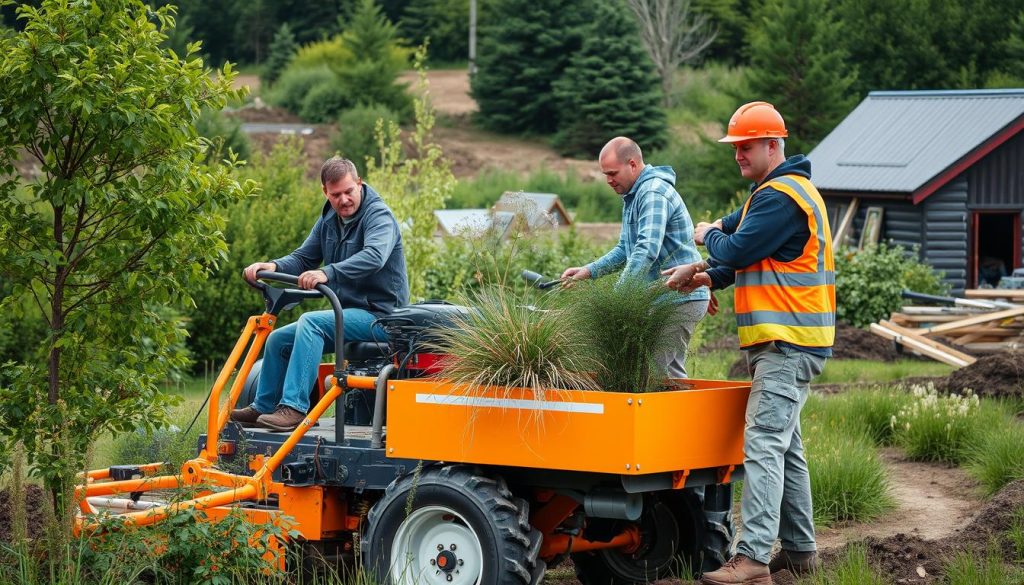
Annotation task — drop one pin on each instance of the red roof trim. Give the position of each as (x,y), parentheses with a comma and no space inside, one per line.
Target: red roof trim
(968,159)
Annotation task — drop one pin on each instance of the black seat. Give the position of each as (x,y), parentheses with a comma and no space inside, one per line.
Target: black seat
(359,351)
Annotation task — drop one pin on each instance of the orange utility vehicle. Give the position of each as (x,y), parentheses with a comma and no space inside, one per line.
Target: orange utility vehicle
(486,486)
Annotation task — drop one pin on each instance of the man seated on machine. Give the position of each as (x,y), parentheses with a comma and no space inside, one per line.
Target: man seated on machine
(355,248)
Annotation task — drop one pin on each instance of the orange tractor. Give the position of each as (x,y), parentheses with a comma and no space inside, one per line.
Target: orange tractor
(427,482)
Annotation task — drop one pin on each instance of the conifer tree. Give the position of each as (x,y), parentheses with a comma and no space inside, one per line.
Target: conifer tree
(800,65)
(523,47)
(609,89)
(373,76)
(282,49)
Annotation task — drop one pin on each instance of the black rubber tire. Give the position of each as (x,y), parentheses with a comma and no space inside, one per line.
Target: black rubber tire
(678,533)
(508,544)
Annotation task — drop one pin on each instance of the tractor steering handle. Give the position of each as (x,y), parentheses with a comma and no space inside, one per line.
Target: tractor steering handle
(280,299)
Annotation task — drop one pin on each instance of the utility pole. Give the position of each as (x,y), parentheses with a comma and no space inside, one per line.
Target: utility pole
(472,37)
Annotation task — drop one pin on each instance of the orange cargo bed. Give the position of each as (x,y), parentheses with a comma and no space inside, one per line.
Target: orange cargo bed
(591,431)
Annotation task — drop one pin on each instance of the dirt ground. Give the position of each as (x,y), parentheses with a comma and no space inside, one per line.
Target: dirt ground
(996,375)
(471,150)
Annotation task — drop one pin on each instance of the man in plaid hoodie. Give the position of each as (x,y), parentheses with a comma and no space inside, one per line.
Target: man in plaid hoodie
(657,233)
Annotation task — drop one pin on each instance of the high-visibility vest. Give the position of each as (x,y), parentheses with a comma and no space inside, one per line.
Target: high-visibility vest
(791,301)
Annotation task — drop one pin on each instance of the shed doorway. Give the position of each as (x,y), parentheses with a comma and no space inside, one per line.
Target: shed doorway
(997,246)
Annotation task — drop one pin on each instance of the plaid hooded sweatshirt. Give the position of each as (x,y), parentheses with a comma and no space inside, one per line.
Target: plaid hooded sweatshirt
(657,232)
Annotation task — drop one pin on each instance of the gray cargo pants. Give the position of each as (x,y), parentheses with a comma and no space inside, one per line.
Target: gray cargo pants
(688,314)
(776,487)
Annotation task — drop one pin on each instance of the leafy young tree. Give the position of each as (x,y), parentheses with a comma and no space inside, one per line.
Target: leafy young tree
(609,88)
(414,185)
(798,63)
(524,46)
(121,221)
(282,49)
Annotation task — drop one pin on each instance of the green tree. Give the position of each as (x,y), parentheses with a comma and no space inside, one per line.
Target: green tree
(609,88)
(524,46)
(378,60)
(798,63)
(414,185)
(444,23)
(282,49)
(120,223)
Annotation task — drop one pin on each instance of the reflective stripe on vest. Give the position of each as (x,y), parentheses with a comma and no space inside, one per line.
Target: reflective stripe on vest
(790,301)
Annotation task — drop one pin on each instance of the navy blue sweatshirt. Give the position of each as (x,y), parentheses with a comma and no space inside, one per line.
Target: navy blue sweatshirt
(774,226)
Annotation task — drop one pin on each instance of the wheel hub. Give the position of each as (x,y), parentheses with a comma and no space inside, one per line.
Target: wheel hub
(446,561)
(434,545)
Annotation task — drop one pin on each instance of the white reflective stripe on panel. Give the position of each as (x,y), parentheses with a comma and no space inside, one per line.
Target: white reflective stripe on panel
(549,405)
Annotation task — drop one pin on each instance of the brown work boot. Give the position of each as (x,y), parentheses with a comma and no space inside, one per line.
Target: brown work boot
(246,416)
(285,418)
(796,562)
(739,570)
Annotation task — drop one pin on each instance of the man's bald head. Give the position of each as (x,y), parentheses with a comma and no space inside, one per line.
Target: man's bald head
(624,149)
(621,163)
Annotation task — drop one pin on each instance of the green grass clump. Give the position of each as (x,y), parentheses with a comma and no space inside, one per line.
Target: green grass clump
(969,568)
(868,411)
(852,569)
(997,458)
(507,342)
(1015,534)
(937,428)
(848,481)
(624,323)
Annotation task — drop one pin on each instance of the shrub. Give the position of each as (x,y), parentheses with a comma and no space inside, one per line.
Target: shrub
(378,59)
(997,459)
(937,428)
(355,138)
(848,481)
(324,101)
(296,83)
(326,53)
(506,341)
(869,282)
(625,321)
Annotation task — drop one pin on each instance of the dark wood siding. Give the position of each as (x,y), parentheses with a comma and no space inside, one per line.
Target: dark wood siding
(997,181)
(945,232)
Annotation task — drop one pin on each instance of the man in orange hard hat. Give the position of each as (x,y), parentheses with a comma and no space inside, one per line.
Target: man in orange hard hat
(777,250)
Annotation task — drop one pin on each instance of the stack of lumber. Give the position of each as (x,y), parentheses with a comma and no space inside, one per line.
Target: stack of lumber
(987,320)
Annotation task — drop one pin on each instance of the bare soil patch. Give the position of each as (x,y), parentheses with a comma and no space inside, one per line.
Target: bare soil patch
(449,90)
(996,375)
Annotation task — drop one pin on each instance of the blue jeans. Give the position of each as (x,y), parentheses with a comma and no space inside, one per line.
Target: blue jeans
(292,356)
(776,497)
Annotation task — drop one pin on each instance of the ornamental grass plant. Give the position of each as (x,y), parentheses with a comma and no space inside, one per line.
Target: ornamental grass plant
(508,342)
(937,428)
(624,323)
(848,480)
(851,569)
(997,457)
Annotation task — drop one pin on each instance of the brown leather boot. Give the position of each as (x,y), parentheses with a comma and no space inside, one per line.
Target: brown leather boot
(739,570)
(246,416)
(285,418)
(796,562)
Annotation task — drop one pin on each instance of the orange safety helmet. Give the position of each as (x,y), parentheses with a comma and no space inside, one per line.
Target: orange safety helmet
(755,120)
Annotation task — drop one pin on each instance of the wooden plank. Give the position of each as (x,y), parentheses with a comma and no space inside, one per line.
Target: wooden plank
(926,318)
(986,318)
(846,223)
(916,335)
(923,348)
(996,346)
(995,293)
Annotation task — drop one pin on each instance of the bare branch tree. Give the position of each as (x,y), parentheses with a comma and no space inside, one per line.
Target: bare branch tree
(674,34)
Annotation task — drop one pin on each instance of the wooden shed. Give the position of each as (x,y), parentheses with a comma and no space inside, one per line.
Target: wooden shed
(943,170)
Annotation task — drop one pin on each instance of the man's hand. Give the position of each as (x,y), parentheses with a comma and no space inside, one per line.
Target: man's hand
(700,279)
(310,278)
(702,229)
(575,273)
(713,305)
(681,275)
(250,271)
